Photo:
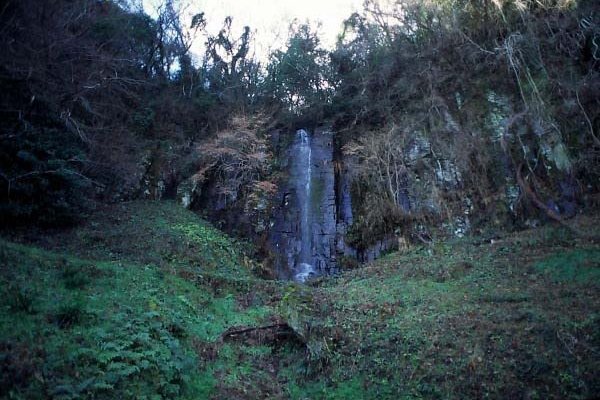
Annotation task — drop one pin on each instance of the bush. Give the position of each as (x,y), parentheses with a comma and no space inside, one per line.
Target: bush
(42,182)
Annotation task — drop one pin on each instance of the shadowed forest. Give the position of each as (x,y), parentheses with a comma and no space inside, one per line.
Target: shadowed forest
(411,213)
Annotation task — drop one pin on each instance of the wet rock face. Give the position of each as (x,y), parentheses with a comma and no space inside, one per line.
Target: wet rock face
(313,210)
(323,203)
(344,209)
(303,235)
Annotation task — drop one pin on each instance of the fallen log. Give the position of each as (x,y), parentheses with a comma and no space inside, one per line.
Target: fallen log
(272,333)
(235,331)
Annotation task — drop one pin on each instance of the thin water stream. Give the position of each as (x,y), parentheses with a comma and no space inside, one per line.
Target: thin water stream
(303,171)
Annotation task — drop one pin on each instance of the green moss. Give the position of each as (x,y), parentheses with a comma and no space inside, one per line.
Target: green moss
(581,265)
(440,322)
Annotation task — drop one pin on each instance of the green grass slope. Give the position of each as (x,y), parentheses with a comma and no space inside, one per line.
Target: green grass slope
(124,321)
(516,317)
(148,301)
(151,232)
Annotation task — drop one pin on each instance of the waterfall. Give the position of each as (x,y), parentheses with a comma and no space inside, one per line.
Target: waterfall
(304,268)
(303,233)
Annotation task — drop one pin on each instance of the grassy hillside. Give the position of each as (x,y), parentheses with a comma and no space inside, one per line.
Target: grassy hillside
(518,318)
(146,300)
(121,307)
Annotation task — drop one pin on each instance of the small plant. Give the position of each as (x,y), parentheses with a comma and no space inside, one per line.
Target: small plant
(20,298)
(71,312)
(73,276)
